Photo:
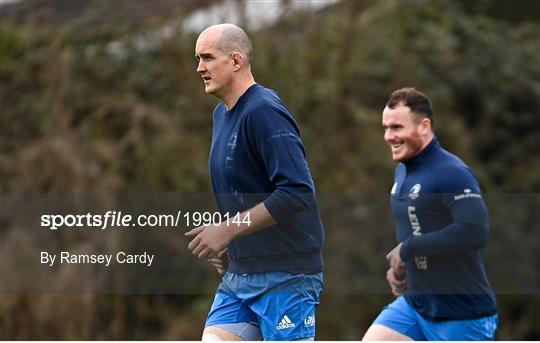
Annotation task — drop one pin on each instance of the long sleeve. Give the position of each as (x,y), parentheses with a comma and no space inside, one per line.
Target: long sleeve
(276,140)
(460,195)
(468,232)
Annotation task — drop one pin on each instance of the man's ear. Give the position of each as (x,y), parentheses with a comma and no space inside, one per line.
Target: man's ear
(425,124)
(238,60)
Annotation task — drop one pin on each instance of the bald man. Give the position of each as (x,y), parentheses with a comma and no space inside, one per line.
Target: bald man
(271,258)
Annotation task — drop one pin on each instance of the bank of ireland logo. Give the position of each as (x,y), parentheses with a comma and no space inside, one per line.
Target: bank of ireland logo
(415,191)
(467,193)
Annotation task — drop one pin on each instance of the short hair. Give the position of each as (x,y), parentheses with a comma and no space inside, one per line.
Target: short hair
(233,38)
(418,102)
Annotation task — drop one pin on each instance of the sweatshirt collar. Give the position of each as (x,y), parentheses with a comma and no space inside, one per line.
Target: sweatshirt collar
(424,154)
(242,98)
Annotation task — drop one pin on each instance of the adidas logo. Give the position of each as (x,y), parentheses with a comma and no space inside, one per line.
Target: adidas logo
(285,323)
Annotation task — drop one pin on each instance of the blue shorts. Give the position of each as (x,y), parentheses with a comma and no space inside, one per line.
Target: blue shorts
(281,304)
(403,318)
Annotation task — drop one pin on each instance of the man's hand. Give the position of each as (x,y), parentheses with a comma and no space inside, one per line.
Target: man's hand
(397,279)
(394,258)
(220,262)
(209,241)
(396,276)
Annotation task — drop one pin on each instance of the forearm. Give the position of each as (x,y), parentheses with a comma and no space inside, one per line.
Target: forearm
(467,232)
(455,238)
(259,218)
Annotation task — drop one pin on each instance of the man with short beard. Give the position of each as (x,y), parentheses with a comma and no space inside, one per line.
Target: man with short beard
(437,269)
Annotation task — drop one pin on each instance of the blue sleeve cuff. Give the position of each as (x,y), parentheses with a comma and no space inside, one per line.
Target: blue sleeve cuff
(275,209)
(283,206)
(405,253)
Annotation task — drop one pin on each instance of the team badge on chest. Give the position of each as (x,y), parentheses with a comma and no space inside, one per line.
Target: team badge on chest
(415,191)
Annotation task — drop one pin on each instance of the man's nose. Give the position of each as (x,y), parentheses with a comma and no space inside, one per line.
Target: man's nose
(388,135)
(200,66)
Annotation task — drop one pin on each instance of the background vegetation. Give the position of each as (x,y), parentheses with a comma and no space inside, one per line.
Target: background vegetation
(103,97)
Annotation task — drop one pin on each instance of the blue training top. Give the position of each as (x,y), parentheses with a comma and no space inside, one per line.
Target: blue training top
(442,220)
(257,156)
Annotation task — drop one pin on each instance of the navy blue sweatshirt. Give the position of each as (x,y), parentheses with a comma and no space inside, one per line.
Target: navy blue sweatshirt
(442,220)
(257,156)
